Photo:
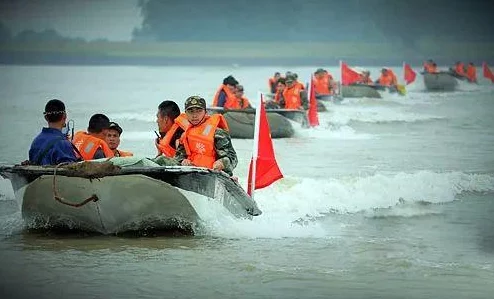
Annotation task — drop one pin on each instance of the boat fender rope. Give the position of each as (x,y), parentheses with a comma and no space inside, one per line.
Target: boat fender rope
(60,199)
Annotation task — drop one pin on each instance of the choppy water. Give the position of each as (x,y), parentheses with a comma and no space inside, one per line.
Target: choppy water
(388,198)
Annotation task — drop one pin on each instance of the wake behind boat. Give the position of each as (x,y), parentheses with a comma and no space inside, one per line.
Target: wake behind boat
(241,121)
(123,194)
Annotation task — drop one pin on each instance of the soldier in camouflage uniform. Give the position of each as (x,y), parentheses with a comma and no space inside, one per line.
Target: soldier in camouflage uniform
(224,153)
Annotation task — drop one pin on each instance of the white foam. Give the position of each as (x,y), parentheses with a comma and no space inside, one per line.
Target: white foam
(344,115)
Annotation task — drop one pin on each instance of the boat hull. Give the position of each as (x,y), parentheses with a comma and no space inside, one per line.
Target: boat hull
(124,203)
(241,122)
(359,91)
(440,82)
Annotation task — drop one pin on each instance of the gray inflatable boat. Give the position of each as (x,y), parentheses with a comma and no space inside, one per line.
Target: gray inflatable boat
(242,121)
(443,81)
(105,198)
(359,91)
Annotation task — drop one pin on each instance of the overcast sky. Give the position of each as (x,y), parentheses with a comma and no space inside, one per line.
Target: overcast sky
(89,19)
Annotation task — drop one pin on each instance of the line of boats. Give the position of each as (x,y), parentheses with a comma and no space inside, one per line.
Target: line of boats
(136,194)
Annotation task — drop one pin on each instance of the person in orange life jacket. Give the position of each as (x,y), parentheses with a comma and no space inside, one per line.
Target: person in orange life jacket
(92,144)
(242,101)
(51,146)
(459,69)
(298,83)
(171,125)
(113,140)
(323,82)
(273,81)
(275,102)
(472,73)
(365,78)
(387,78)
(293,96)
(225,93)
(206,142)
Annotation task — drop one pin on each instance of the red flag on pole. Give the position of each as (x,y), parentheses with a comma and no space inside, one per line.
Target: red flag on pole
(348,76)
(313,116)
(409,73)
(263,169)
(487,72)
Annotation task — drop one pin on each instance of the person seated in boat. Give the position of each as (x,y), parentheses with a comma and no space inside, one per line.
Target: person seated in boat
(471,73)
(92,144)
(294,97)
(171,124)
(225,94)
(275,102)
(364,78)
(51,146)
(113,140)
(459,69)
(430,67)
(323,83)
(242,102)
(387,78)
(206,142)
(298,83)
(273,81)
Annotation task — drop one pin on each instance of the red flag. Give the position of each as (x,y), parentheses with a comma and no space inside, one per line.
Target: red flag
(313,116)
(487,72)
(265,170)
(348,76)
(409,73)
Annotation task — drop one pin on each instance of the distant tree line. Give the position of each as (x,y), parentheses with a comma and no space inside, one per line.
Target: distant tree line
(30,35)
(394,21)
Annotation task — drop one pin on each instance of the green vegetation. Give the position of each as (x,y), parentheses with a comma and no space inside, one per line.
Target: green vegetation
(281,50)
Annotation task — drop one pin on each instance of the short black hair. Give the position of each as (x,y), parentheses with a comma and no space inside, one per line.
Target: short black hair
(97,123)
(169,109)
(54,110)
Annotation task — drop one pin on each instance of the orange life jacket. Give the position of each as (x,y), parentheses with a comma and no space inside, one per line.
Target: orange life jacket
(471,73)
(272,83)
(199,140)
(230,96)
(277,96)
(321,85)
(241,103)
(292,97)
(121,153)
(300,84)
(87,145)
(460,69)
(429,68)
(164,145)
(389,79)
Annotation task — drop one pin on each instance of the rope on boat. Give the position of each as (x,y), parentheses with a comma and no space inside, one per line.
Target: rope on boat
(60,199)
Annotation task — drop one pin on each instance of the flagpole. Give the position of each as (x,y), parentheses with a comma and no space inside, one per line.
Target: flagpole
(341,77)
(255,149)
(403,70)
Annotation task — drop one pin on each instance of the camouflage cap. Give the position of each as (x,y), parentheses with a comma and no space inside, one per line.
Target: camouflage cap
(195,102)
(290,78)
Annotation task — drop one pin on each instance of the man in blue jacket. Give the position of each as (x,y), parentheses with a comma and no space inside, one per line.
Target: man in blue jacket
(51,146)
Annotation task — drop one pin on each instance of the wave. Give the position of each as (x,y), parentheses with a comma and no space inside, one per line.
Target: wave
(348,114)
(292,206)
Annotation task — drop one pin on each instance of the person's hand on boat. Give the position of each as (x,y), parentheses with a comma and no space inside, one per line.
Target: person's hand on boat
(218,165)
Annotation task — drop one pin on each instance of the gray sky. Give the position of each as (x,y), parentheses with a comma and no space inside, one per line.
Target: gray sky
(89,19)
